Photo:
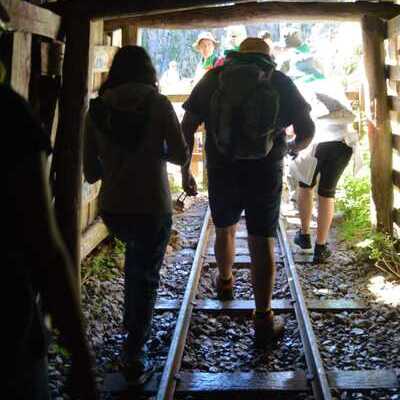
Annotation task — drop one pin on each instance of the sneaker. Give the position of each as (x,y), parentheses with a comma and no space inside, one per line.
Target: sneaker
(303,240)
(268,328)
(139,371)
(321,253)
(224,287)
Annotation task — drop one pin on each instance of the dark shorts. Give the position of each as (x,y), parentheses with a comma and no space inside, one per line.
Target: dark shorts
(253,186)
(333,158)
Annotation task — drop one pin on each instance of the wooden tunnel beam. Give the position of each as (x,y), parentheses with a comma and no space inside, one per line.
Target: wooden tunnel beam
(123,8)
(379,131)
(396,142)
(21,63)
(68,147)
(92,237)
(393,27)
(130,35)
(120,8)
(257,12)
(396,217)
(26,17)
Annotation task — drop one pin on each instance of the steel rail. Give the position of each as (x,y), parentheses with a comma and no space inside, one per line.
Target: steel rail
(318,377)
(167,385)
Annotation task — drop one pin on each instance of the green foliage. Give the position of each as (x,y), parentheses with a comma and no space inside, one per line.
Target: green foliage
(119,247)
(174,185)
(104,265)
(60,350)
(355,205)
(381,250)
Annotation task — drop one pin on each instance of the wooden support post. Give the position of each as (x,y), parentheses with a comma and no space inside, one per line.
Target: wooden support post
(26,17)
(379,133)
(21,63)
(68,149)
(98,37)
(130,35)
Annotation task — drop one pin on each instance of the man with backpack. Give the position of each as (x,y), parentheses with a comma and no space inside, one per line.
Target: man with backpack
(246,106)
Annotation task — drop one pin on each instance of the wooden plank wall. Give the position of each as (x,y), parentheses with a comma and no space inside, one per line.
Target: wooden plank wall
(35,70)
(36,60)
(93,230)
(392,46)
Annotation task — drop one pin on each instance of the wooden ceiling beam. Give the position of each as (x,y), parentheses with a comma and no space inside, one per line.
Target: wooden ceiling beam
(257,13)
(26,17)
(121,8)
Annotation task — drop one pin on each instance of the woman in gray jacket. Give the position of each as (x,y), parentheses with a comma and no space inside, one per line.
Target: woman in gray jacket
(131,133)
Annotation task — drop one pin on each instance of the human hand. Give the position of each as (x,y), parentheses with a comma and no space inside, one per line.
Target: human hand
(189,184)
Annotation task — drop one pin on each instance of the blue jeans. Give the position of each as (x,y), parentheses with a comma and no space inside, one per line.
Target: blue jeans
(146,238)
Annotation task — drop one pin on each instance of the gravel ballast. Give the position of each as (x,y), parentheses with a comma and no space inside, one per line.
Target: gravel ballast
(367,339)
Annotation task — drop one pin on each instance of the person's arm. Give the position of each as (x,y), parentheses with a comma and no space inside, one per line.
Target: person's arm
(304,129)
(177,152)
(190,123)
(296,112)
(92,168)
(52,265)
(196,109)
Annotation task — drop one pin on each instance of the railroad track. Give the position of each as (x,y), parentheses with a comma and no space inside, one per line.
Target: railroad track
(314,379)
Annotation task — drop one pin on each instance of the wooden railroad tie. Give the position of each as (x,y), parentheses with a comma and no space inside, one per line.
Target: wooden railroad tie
(207,383)
(246,307)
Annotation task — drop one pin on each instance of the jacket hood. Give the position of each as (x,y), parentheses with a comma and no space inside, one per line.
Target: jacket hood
(129,96)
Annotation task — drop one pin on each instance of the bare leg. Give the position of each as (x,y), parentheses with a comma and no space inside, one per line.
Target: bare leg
(262,270)
(225,250)
(305,201)
(326,207)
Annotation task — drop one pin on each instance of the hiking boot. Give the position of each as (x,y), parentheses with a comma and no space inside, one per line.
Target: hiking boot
(303,240)
(321,253)
(224,287)
(267,327)
(139,371)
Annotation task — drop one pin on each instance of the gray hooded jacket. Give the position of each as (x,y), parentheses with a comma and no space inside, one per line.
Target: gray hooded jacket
(135,182)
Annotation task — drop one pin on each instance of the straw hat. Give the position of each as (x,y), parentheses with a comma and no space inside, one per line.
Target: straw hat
(254,45)
(204,35)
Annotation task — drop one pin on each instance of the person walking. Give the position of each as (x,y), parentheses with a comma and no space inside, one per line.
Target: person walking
(37,274)
(131,133)
(248,175)
(330,153)
(205,44)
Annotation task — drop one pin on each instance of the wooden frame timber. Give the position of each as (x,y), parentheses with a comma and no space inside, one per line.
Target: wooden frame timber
(212,385)
(21,63)
(140,8)
(205,384)
(258,12)
(26,17)
(68,157)
(246,307)
(379,132)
